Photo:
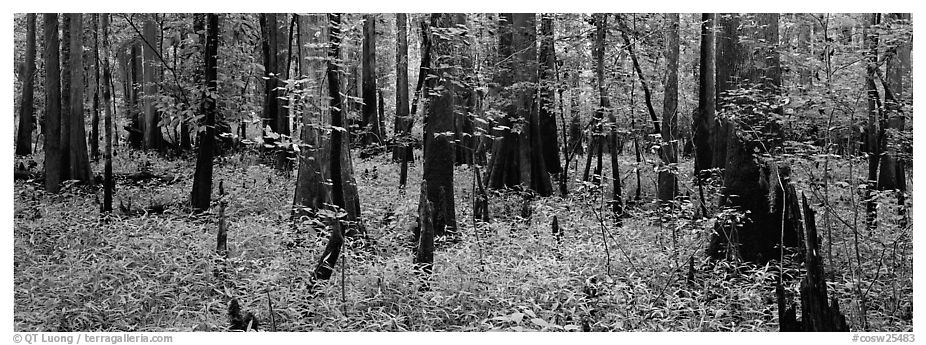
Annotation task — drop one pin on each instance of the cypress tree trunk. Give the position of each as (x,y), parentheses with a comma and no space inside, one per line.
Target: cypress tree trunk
(369,121)
(401,89)
(875,126)
(703,122)
(726,67)
(517,159)
(95,116)
(108,182)
(668,186)
(64,136)
(53,164)
(753,185)
(892,173)
(133,103)
(439,118)
(333,249)
(27,108)
(201,196)
(78,160)
(152,132)
(464,94)
(550,142)
(275,113)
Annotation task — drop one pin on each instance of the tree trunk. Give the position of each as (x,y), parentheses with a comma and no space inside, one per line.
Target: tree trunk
(27,108)
(550,142)
(517,159)
(668,186)
(424,251)
(892,175)
(401,90)
(275,113)
(439,118)
(95,116)
(333,249)
(52,131)
(725,68)
(201,196)
(464,94)
(874,128)
(750,182)
(152,132)
(703,122)
(108,182)
(78,160)
(64,137)
(133,103)
(369,121)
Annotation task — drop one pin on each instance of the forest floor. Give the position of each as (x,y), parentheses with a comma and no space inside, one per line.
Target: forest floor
(136,271)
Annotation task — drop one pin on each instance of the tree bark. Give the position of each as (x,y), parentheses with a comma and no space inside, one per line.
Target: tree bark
(548,131)
(95,115)
(275,113)
(152,132)
(892,174)
(64,137)
(333,249)
(464,94)
(108,182)
(750,182)
(201,196)
(439,118)
(78,160)
(726,67)
(703,122)
(667,184)
(401,89)
(516,160)
(875,125)
(369,121)
(133,102)
(52,131)
(27,108)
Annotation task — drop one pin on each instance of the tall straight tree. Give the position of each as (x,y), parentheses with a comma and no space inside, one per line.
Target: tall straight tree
(150,75)
(516,159)
(439,116)
(53,150)
(667,179)
(64,135)
(201,196)
(77,158)
(401,87)
(95,115)
(108,182)
(370,121)
(550,142)
(875,142)
(604,102)
(27,108)
(727,64)
(333,249)
(464,93)
(703,121)
(133,82)
(891,173)
(273,42)
(754,185)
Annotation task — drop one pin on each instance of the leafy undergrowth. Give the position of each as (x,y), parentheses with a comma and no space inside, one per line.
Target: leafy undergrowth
(154,272)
